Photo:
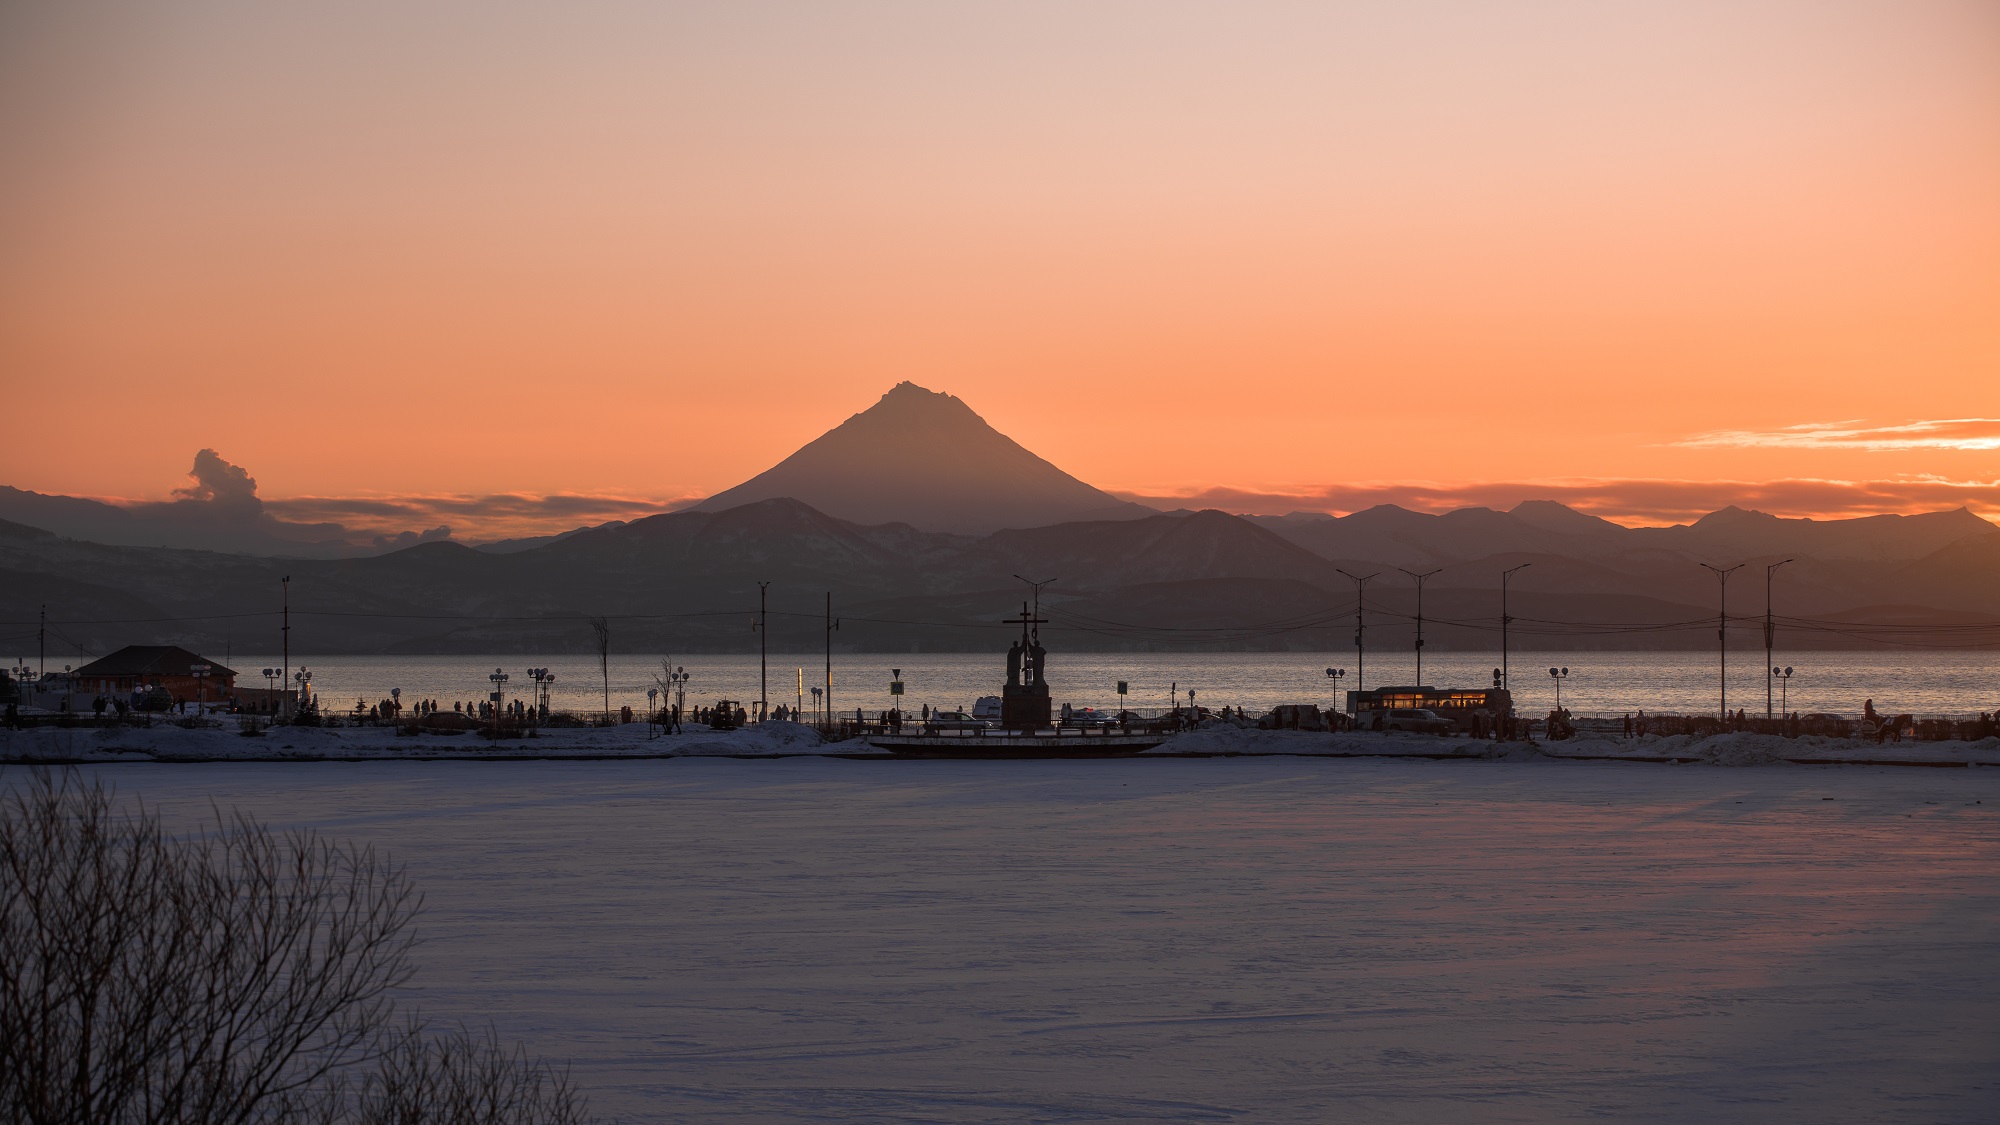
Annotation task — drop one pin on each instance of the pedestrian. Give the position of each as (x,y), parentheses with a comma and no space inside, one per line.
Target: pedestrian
(1628,725)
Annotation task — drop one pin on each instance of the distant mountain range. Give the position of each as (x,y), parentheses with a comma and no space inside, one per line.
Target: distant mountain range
(917,517)
(686,582)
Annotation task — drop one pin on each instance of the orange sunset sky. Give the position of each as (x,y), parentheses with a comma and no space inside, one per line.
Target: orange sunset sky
(588,258)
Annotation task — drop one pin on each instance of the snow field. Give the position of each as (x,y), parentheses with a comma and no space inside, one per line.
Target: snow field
(1232,939)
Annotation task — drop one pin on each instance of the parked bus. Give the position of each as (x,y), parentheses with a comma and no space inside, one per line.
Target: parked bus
(1457,704)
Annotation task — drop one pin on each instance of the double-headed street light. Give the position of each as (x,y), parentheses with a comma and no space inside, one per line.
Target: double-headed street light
(1784,678)
(1559,675)
(1334,676)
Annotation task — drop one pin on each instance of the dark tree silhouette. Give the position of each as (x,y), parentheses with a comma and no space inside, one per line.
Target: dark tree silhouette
(233,976)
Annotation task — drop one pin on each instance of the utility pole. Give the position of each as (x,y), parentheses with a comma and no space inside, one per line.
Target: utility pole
(1505,621)
(1722,639)
(1360,651)
(763,653)
(42,642)
(1420,618)
(831,625)
(1769,633)
(285,634)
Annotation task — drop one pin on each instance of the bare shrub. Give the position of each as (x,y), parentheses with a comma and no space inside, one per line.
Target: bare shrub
(235,976)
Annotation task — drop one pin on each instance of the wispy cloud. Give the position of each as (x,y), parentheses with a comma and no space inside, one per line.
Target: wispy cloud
(1935,433)
(495,515)
(1625,500)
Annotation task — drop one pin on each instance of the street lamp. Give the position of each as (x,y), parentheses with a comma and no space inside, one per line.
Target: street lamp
(1722,638)
(303,693)
(652,695)
(1420,618)
(200,671)
(1360,654)
(499,695)
(817,719)
(1769,630)
(270,688)
(1505,621)
(1559,675)
(1333,676)
(1784,678)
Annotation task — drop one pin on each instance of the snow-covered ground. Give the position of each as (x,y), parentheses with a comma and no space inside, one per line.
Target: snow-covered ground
(165,741)
(1257,939)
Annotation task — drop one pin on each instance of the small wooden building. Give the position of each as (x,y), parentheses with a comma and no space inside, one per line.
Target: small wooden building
(139,667)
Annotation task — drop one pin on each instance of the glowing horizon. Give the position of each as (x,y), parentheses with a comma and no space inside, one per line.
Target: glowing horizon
(530,265)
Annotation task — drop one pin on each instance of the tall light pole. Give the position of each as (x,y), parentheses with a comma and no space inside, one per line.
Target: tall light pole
(1784,678)
(1360,650)
(832,623)
(763,651)
(498,695)
(1722,638)
(1420,618)
(1505,621)
(1770,631)
(285,635)
(1559,675)
(1333,678)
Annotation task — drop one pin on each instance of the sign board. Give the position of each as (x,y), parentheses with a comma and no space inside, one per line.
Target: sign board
(895,687)
(1121,687)
(494,697)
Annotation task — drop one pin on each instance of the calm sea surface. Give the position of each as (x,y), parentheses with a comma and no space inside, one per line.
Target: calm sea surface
(1922,682)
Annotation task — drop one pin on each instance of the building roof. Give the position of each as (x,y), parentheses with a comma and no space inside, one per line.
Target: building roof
(151,660)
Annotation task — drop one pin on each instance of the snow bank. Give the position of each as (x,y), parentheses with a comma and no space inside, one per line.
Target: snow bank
(225,742)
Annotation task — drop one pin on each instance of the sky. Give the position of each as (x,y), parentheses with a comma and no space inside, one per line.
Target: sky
(535,264)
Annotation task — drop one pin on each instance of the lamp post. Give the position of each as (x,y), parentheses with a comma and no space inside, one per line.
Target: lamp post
(679,678)
(1784,678)
(395,703)
(1505,621)
(1559,675)
(200,671)
(1722,639)
(818,719)
(270,688)
(763,643)
(1420,618)
(1769,630)
(302,694)
(499,695)
(652,705)
(1333,676)
(1360,652)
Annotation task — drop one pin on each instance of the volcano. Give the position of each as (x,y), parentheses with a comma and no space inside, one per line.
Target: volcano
(924,458)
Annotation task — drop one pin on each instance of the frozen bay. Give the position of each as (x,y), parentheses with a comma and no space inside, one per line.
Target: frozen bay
(1195,940)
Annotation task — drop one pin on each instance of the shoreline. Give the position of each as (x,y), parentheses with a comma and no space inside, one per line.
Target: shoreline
(633,742)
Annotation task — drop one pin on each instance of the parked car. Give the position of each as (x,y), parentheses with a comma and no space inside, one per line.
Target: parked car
(1415,720)
(955,720)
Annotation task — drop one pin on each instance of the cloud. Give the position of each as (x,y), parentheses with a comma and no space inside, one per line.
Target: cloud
(474,517)
(218,481)
(1939,433)
(412,538)
(1624,500)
